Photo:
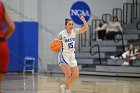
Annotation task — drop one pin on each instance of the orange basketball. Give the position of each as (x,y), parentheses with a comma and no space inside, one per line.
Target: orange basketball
(56,46)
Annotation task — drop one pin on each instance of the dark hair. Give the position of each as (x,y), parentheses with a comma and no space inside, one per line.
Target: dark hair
(100,24)
(67,20)
(114,18)
(133,51)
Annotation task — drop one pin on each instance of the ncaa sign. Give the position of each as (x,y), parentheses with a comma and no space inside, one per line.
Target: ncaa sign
(78,9)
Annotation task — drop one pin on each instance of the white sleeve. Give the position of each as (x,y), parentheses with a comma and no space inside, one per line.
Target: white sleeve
(109,25)
(104,27)
(125,54)
(120,27)
(98,28)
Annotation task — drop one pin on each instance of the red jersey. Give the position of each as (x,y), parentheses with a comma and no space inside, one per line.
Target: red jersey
(1,19)
(4,54)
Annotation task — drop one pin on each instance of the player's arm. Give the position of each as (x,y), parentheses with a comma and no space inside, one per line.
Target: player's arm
(84,28)
(10,27)
(58,37)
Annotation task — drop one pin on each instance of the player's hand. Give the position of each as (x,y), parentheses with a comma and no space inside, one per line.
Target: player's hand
(82,18)
(57,40)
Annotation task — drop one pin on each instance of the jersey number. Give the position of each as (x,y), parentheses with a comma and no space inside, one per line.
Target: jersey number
(70,45)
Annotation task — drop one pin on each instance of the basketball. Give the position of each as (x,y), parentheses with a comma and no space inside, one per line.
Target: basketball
(56,46)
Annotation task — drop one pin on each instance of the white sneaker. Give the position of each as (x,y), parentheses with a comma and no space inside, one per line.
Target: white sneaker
(99,40)
(68,91)
(120,58)
(125,64)
(113,57)
(116,58)
(63,90)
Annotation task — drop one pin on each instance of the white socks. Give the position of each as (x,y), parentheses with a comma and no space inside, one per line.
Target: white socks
(68,91)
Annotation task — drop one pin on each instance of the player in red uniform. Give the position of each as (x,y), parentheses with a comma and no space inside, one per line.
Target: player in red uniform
(4,35)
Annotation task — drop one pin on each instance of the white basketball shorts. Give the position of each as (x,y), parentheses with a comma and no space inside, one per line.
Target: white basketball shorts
(67,58)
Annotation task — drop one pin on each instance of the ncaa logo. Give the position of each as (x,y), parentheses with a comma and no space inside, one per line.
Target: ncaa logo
(78,9)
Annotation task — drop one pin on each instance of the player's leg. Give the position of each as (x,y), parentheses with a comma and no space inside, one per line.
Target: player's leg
(67,71)
(4,57)
(1,77)
(75,74)
(74,68)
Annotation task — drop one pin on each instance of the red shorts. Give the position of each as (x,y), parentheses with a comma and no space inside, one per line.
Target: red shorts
(4,57)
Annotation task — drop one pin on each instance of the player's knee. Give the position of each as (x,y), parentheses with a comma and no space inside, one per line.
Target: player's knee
(75,76)
(68,76)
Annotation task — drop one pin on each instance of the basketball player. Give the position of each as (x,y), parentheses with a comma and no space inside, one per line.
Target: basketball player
(66,57)
(4,35)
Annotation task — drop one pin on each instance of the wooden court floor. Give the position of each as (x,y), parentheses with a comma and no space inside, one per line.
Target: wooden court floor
(18,83)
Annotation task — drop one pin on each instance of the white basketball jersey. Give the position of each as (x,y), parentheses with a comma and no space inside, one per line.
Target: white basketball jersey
(68,40)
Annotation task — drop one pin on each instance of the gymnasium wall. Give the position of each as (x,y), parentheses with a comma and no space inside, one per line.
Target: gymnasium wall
(50,15)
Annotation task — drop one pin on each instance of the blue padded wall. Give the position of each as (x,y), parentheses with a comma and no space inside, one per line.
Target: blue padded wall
(24,42)
(28,44)
(13,42)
